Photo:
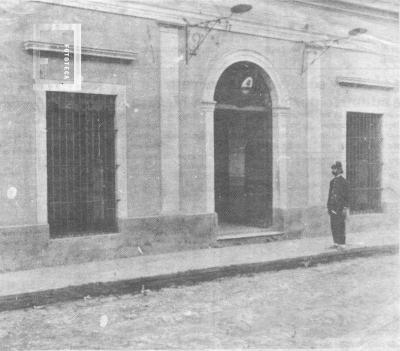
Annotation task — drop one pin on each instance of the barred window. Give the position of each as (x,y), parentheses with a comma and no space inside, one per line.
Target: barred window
(363,161)
(80,163)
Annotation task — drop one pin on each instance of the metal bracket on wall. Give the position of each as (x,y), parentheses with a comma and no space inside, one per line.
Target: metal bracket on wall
(326,45)
(197,38)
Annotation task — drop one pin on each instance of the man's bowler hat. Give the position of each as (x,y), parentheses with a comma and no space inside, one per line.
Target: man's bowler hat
(337,165)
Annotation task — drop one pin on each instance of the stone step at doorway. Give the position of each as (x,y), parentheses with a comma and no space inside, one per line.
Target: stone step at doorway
(230,234)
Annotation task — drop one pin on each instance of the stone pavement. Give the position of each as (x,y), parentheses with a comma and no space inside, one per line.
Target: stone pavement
(132,275)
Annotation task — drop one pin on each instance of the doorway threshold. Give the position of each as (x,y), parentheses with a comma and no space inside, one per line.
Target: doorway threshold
(228,232)
(225,228)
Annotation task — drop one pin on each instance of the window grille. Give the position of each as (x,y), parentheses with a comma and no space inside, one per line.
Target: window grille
(80,163)
(363,161)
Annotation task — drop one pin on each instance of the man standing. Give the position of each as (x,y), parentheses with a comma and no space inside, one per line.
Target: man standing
(337,204)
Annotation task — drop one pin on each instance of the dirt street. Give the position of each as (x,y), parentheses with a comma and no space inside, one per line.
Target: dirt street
(345,304)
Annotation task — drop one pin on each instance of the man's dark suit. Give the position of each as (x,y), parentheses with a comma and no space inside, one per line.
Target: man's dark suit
(337,200)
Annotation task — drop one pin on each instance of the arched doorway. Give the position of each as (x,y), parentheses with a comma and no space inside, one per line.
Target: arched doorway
(243,147)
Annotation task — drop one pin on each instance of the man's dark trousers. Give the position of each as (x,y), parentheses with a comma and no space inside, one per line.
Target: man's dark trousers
(338,226)
(337,201)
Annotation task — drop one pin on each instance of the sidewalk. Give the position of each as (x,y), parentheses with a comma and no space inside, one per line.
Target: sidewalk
(132,275)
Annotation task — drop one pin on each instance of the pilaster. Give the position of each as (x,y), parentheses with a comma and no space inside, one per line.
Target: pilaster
(207,113)
(280,189)
(313,115)
(169,104)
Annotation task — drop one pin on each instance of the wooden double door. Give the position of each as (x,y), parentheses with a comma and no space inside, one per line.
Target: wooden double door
(243,167)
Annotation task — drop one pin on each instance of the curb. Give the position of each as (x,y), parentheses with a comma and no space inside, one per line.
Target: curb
(135,286)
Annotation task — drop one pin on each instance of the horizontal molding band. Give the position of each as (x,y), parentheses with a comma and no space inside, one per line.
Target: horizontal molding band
(168,16)
(238,108)
(32,45)
(365,83)
(353,7)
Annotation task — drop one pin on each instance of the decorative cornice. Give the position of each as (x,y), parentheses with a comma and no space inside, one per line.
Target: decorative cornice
(360,8)
(365,83)
(85,50)
(175,17)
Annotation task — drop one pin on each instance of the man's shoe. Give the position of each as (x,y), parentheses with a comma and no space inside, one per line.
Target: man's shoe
(341,247)
(334,246)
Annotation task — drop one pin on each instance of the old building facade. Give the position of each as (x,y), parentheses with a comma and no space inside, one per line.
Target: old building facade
(178,132)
